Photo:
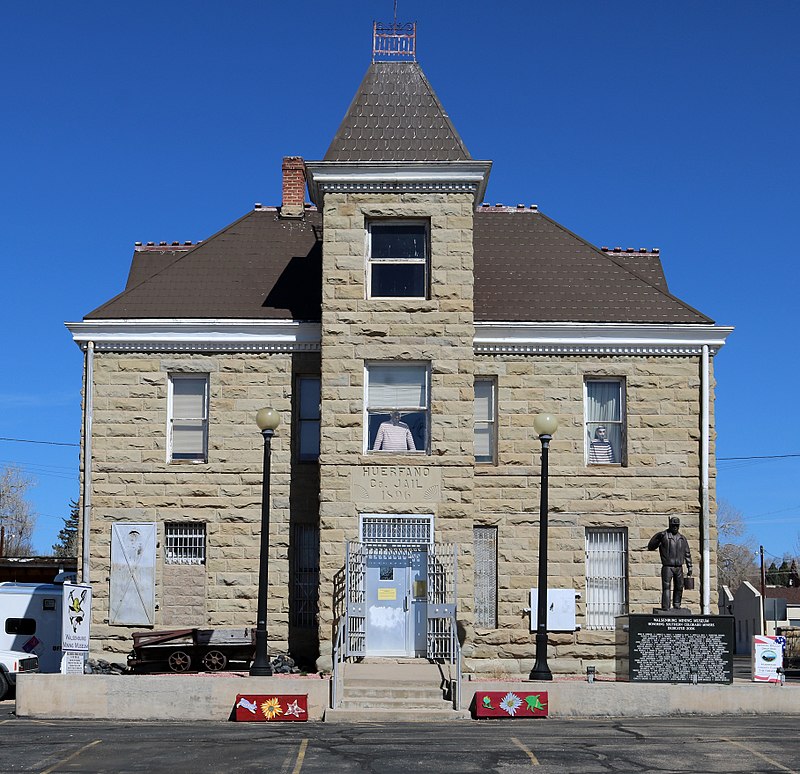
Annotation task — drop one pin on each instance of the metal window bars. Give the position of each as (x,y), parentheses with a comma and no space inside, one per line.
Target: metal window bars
(397,531)
(485,540)
(304,568)
(606,577)
(185,543)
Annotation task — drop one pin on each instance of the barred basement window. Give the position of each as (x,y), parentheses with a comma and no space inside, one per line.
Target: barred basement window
(185,543)
(485,539)
(304,602)
(606,576)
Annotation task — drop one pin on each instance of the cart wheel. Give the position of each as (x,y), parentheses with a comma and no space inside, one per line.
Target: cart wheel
(215,661)
(179,661)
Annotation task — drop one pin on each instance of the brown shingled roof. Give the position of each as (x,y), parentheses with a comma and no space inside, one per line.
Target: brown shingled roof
(260,267)
(528,268)
(396,116)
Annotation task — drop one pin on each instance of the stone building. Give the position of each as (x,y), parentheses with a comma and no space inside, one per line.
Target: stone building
(407,334)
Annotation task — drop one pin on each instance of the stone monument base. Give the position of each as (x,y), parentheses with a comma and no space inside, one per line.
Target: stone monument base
(672,611)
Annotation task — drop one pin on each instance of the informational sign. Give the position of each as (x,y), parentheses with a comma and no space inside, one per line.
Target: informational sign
(681,649)
(387,594)
(72,663)
(271,707)
(767,658)
(76,613)
(511,704)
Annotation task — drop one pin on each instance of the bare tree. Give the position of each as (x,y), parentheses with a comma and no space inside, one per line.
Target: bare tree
(736,558)
(16,513)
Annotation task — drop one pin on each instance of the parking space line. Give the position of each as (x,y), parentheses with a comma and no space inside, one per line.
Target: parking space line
(534,760)
(70,757)
(760,755)
(301,754)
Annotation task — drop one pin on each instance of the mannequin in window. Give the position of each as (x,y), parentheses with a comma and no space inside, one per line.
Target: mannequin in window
(394,435)
(600,450)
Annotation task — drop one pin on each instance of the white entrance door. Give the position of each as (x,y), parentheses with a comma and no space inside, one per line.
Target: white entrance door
(388,605)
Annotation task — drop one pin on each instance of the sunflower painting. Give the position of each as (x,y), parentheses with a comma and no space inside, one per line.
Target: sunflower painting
(271,708)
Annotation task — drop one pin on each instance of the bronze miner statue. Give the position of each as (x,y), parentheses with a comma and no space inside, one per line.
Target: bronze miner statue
(674,550)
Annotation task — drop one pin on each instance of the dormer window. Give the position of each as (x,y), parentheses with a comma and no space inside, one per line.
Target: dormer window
(397,259)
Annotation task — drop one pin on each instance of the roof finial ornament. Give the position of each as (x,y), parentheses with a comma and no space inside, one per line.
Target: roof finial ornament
(396,41)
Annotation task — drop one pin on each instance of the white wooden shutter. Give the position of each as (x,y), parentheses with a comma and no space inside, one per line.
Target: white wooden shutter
(133,563)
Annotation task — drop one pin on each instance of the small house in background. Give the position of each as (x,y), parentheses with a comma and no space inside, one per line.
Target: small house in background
(35,569)
(406,332)
(779,608)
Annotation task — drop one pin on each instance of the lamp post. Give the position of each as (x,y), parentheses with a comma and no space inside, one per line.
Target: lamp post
(545,426)
(267,420)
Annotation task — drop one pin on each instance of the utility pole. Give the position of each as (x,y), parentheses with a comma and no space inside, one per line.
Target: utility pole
(763,593)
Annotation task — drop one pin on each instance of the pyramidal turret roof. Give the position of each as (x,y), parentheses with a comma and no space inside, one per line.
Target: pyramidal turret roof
(396,116)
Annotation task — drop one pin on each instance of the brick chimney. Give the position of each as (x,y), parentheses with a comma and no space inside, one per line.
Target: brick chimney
(294,187)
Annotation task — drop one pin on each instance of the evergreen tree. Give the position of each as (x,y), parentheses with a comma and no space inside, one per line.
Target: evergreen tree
(68,536)
(794,575)
(783,574)
(772,574)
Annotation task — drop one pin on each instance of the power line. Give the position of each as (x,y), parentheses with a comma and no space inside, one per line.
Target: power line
(46,443)
(759,457)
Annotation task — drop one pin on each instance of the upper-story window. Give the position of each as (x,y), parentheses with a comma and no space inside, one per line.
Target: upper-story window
(397,403)
(485,427)
(397,259)
(605,421)
(188,417)
(308,418)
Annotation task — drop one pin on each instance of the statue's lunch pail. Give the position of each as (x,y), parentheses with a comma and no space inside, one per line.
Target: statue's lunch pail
(688,584)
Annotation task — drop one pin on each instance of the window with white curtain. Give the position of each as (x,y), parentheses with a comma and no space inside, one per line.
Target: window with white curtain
(188,417)
(397,407)
(397,259)
(185,543)
(485,419)
(605,421)
(606,577)
(308,418)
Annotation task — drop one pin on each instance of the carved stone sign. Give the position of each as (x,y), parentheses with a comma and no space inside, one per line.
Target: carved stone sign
(396,484)
(675,649)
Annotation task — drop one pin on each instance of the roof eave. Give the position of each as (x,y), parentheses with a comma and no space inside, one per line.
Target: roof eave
(397,177)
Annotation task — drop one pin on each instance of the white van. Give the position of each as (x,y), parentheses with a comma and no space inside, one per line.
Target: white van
(30,621)
(13,664)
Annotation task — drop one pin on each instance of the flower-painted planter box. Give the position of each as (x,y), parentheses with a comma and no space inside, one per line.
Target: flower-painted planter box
(271,708)
(511,704)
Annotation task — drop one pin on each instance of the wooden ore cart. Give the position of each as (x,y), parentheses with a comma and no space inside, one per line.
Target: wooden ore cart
(191,650)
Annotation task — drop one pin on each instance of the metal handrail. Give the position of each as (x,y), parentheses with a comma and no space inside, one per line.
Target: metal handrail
(455,660)
(338,663)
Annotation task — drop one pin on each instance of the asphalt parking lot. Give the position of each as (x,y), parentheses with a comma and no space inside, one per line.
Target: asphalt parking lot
(741,744)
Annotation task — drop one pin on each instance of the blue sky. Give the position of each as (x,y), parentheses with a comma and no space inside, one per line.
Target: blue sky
(633,123)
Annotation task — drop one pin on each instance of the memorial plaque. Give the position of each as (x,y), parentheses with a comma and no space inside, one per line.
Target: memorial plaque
(668,649)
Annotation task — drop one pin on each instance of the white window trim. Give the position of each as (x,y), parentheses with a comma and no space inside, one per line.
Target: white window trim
(170,381)
(426,409)
(425,261)
(193,532)
(623,413)
(491,422)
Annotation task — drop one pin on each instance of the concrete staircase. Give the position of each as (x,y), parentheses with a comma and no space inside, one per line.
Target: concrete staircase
(393,690)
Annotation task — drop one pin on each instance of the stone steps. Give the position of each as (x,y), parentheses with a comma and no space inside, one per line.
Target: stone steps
(392,715)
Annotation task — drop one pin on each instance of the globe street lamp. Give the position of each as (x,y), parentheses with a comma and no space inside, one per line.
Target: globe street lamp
(267,420)
(545,426)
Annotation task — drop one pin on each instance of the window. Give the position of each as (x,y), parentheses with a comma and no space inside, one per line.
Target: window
(188,417)
(605,421)
(485,539)
(308,418)
(397,407)
(185,543)
(21,626)
(485,420)
(304,602)
(397,259)
(606,577)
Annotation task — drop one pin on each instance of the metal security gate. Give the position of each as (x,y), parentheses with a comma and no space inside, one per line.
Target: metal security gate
(433,600)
